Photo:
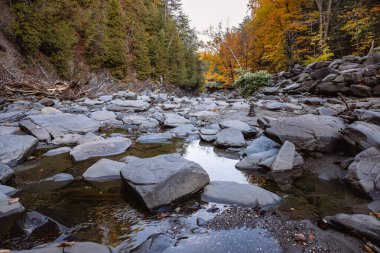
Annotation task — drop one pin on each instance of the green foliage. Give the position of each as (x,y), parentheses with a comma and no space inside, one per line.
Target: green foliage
(325,56)
(249,82)
(132,38)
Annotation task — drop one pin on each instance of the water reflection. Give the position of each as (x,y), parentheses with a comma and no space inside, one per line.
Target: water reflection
(219,168)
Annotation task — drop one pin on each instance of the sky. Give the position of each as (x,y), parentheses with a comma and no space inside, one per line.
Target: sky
(206,13)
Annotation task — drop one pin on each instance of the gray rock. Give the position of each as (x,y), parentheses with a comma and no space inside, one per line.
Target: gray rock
(5,130)
(156,243)
(103,115)
(275,106)
(362,134)
(58,151)
(50,110)
(374,206)
(53,183)
(104,170)
(171,106)
(327,111)
(244,195)
(360,91)
(37,131)
(6,173)
(163,179)
(261,144)
(88,138)
(285,158)
(106,98)
(270,90)
(230,137)
(364,172)
(47,102)
(7,190)
(9,212)
(32,221)
(361,225)
(127,95)
(368,116)
(255,160)
(12,116)
(66,140)
(208,116)
(330,88)
(64,123)
(128,105)
(15,148)
(240,125)
(308,132)
(108,147)
(184,130)
(292,87)
(155,138)
(174,120)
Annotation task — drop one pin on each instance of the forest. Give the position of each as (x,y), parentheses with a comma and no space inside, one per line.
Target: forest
(133,39)
(277,34)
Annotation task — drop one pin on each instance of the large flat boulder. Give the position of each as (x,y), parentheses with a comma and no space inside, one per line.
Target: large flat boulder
(362,134)
(101,148)
(361,225)
(308,132)
(119,105)
(9,212)
(15,148)
(174,120)
(238,124)
(230,137)
(163,179)
(60,124)
(364,172)
(104,170)
(155,138)
(244,195)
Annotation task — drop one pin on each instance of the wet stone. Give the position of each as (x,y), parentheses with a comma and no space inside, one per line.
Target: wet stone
(53,183)
(155,138)
(107,147)
(6,173)
(244,195)
(9,212)
(104,170)
(230,137)
(163,179)
(58,151)
(15,148)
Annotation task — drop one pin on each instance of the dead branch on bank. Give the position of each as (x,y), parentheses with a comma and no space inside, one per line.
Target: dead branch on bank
(348,113)
(18,89)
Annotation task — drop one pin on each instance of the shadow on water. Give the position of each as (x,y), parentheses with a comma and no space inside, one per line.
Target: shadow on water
(104,216)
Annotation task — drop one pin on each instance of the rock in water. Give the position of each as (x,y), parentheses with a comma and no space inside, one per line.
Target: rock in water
(103,171)
(174,120)
(64,123)
(240,125)
(285,158)
(15,148)
(163,179)
(230,137)
(155,138)
(9,212)
(364,172)
(108,147)
(360,225)
(308,132)
(6,173)
(362,134)
(244,195)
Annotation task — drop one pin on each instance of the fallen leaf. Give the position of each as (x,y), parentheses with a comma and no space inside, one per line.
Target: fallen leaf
(5,251)
(311,236)
(65,244)
(13,200)
(368,249)
(377,215)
